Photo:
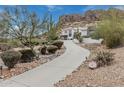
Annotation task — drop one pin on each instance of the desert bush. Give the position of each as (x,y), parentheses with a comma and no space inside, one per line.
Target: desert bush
(96,35)
(10,58)
(111,30)
(86,36)
(27,55)
(43,49)
(104,58)
(112,37)
(4,47)
(14,43)
(78,36)
(52,49)
(35,43)
(2,40)
(58,44)
(80,39)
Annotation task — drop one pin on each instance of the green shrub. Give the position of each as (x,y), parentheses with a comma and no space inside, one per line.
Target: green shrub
(104,58)
(80,39)
(2,40)
(32,43)
(78,36)
(35,43)
(43,49)
(4,47)
(52,49)
(95,35)
(14,43)
(113,40)
(86,36)
(58,44)
(111,30)
(10,58)
(27,55)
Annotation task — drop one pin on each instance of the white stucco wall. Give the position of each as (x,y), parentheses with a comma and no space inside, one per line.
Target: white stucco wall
(84,33)
(66,31)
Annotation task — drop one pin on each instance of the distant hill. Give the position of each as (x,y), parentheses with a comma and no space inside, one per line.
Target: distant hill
(89,16)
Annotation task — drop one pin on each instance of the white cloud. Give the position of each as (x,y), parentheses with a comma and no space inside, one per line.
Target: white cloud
(53,8)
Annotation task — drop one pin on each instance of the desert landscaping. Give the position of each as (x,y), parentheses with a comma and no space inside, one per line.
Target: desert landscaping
(77,50)
(104,66)
(107,76)
(21,49)
(25,66)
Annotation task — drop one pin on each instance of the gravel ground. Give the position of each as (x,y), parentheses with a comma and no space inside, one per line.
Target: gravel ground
(108,76)
(23,67)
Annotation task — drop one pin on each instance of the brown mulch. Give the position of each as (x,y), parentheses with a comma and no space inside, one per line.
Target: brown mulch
(23,67)
(107,76)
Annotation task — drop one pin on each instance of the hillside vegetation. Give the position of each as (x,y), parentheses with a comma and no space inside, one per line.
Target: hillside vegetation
(111,29)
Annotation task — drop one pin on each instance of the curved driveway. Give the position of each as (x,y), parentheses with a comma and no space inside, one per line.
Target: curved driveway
(49,73)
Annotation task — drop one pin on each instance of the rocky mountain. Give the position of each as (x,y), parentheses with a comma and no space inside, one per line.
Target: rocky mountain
(89,16)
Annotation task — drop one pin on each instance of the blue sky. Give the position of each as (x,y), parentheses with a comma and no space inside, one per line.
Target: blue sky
(58,10)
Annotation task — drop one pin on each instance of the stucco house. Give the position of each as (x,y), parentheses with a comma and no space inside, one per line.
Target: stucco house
(68,33)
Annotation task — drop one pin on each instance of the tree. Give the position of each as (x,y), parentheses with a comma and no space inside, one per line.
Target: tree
(78,36)
(53,29)
(3,36)
(22,24)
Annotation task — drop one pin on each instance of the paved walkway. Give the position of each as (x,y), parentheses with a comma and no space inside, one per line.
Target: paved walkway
(92,41)
(48,74)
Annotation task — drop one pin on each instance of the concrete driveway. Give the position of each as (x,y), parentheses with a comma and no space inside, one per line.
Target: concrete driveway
(49,73)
